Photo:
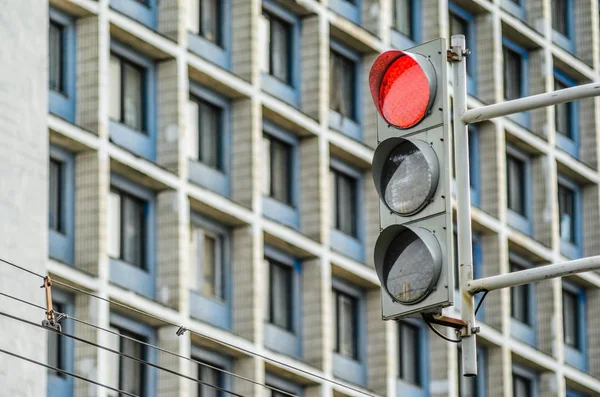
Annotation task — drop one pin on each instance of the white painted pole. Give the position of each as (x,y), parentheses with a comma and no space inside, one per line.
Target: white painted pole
(533,275)
(463,199)
(531,102)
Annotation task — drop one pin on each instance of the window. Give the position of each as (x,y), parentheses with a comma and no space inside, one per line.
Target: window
(131,236)
(574,325)
(205,20)
(277,167)
(209,121)
(61,65)
(569,217)
(522,386)
(345,328)
(277,40)
(56,353)
(522,304)
(410,346)
(207,263)
(562,113)
(142,11)
(127,92)
(210,369)
(282,384)
(127,226)
(566,121)
(516,78)
(349,9)
(518,190)
(515,7)
(280,294)
(210,376)
(209,26)
(402,13)
(570,315)
(519,299)
(342,78)
(462,22)
(563,23)
(60,349)
(343,192)
(61,198)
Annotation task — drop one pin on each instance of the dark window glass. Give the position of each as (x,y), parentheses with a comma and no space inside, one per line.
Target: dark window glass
(279,35)
(55,196)
(520,298)
(277,157)
(345,313)
(559,16)
(513,74)
(402,11)
(213,271)
(467,386)
(280,294)
(342,78)
(127,82)
(210,20)
(275,393)
(521,386)
(410,345)
(56,358)
(209,134)
(515,178)
(212,376)
(132,373)
(562,113)
(344,196)
(571,315)
(132,229)
(566,210)
(56,57)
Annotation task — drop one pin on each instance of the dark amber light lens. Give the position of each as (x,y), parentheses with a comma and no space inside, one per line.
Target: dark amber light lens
(404,93)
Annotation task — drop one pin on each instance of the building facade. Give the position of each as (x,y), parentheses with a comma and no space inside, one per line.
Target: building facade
(209,164)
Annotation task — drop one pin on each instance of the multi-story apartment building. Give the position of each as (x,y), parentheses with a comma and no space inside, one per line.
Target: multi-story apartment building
(209,164)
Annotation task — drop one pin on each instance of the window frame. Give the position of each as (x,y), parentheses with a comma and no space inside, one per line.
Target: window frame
(124,322)
(345,8)
(284,384)
(522,223)
(141,143)
(569,144)
(567,41)
(523,118)
(213,358)
(577,356)
(567,248)
(63,386)
(220,55)
(287,92)
(61,245)
(346,368)
(208,308)
(144,13)
(518,10)
(351,246)
(405,388)
(337,122)
(286,213)
(217,180)
(524,332)
(286,341)
(399,39)
(471,43)
(527,374)
(63,104)
(122,273)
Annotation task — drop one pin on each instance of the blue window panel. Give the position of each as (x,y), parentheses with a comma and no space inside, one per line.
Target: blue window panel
(477,272)
(353,370)
(288,92)
(468,29)
(218,53)
(124,274)
(525,382)
(474,168)
(401,40)
(287,341)
(149,333)
(573,393)
(563,24)
(568,140)
(408,389)
(524,331)
(523,118)
(351,246)
(143,11)
(141,143)
(283,384)
(515,7)
(62,103)
(218,180)
(213,359)
(61,385)
(211,309)
(349,9)
(61,242)
(288,214)
(576,353)
(520,221)
(337,121)
(572,248)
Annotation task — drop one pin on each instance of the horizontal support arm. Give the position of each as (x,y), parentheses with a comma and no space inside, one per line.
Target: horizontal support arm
(534,274)
(531,102)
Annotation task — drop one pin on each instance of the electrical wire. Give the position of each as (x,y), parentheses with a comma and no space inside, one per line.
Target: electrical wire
(22,268)
(121,392)
(438,333)
(67,317)
(481,301)
(120,354)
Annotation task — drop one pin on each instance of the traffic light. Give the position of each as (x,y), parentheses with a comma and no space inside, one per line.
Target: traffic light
(411,172)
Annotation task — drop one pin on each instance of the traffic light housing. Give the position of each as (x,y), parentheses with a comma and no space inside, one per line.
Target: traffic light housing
(412,171)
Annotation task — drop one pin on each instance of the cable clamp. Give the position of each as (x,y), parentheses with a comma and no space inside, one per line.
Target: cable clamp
(50,321)
(181,330)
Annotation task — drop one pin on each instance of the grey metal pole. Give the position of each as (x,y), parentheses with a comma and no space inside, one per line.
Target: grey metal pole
(463,199)
(534,274)
(531,102)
